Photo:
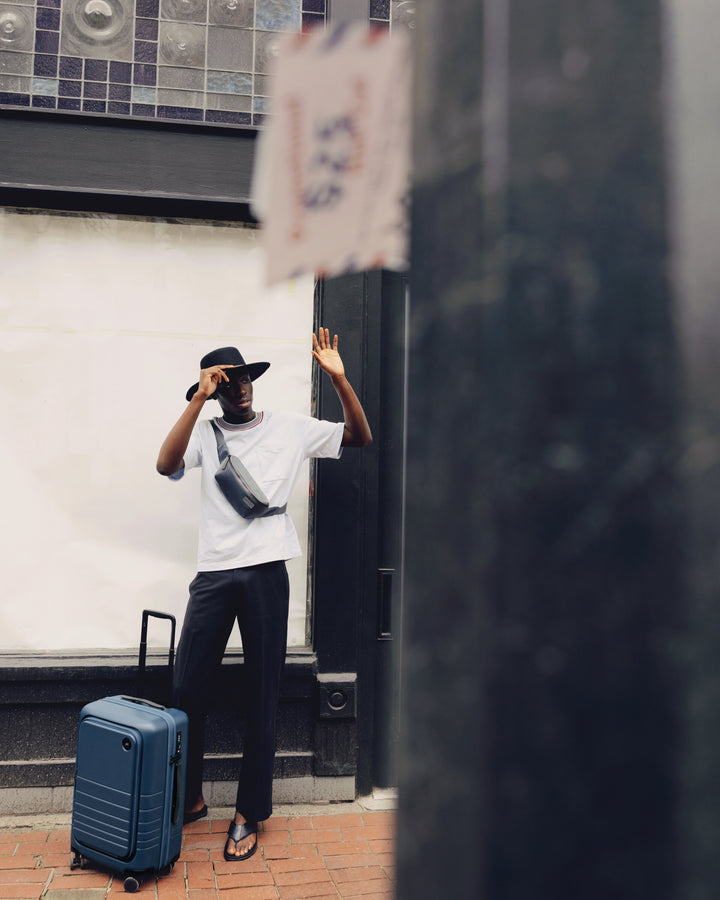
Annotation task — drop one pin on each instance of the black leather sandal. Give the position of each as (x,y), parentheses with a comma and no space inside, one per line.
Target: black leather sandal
(238,833)
(194,816)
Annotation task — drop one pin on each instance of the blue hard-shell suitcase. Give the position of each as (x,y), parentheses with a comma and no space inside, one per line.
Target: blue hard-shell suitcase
(129,792)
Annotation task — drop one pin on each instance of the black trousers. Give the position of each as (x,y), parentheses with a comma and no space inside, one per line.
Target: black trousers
(257,596)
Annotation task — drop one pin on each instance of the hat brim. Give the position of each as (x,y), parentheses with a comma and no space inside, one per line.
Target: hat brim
(254,370)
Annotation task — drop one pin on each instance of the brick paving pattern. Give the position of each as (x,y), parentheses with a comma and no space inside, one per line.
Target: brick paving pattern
(339,855)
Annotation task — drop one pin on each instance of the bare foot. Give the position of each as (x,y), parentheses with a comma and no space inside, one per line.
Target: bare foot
(197,806)
(244,846)
(197,811)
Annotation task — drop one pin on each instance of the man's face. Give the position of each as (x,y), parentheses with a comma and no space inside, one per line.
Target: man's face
(236,397)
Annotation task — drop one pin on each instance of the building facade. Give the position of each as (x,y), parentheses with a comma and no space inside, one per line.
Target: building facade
(145,116)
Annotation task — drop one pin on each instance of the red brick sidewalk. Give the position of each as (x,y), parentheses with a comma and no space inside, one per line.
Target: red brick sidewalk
(330,855)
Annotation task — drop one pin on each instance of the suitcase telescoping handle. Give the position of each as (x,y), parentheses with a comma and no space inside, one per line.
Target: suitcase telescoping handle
(143,638)
(143,644)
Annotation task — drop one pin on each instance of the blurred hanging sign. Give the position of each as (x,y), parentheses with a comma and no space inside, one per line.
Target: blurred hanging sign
(332,170)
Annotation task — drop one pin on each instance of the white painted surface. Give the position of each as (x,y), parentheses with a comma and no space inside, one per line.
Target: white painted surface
(103,322)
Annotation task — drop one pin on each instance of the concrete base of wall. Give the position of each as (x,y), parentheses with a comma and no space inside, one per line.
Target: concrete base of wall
(307,789)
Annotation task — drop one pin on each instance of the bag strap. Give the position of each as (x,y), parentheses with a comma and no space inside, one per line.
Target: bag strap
(221,445)
(223,455)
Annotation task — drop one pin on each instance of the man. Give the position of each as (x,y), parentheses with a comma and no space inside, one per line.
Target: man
(241,562)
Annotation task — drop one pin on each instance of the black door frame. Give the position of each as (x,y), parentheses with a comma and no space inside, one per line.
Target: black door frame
(359,515)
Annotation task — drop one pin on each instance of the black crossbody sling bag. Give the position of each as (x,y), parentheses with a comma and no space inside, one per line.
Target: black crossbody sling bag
(239,487)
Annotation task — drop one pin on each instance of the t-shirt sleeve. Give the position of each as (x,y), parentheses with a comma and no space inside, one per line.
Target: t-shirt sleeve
(323,439)
(193,454)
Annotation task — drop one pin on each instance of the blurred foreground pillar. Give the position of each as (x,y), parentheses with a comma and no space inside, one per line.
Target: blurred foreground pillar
(545,708)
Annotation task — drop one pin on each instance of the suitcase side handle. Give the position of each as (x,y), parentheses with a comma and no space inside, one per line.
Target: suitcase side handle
(177,791)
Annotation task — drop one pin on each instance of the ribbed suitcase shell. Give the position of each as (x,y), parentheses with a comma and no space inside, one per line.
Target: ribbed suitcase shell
(129,785)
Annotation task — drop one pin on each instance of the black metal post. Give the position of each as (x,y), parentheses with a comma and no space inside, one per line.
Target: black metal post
(545,587)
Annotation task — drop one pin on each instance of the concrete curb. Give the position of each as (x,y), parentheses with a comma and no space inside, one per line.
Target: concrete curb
(383,799)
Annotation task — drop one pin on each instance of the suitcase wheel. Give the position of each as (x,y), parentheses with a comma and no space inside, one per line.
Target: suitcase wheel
(77,861)
(131,884)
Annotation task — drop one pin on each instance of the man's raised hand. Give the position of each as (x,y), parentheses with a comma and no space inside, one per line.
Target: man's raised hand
(327,354)
(211,378)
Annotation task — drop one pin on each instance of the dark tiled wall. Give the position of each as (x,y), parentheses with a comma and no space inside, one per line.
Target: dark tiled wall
(195,60)
(192,60)
(380,13)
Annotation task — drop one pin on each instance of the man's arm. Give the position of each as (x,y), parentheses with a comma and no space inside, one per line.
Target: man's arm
(172,452)
(357,431)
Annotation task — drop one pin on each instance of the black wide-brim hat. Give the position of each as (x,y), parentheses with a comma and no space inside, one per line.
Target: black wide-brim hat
(229,356)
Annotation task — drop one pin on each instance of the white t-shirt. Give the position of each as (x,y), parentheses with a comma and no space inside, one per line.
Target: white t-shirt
(273,448)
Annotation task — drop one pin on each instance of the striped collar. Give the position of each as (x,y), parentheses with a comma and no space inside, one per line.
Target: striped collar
(240,426)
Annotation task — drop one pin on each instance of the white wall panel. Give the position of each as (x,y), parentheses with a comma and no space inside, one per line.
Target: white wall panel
(103,322)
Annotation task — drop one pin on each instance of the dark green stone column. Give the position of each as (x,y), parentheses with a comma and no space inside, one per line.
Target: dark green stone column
(545,564)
